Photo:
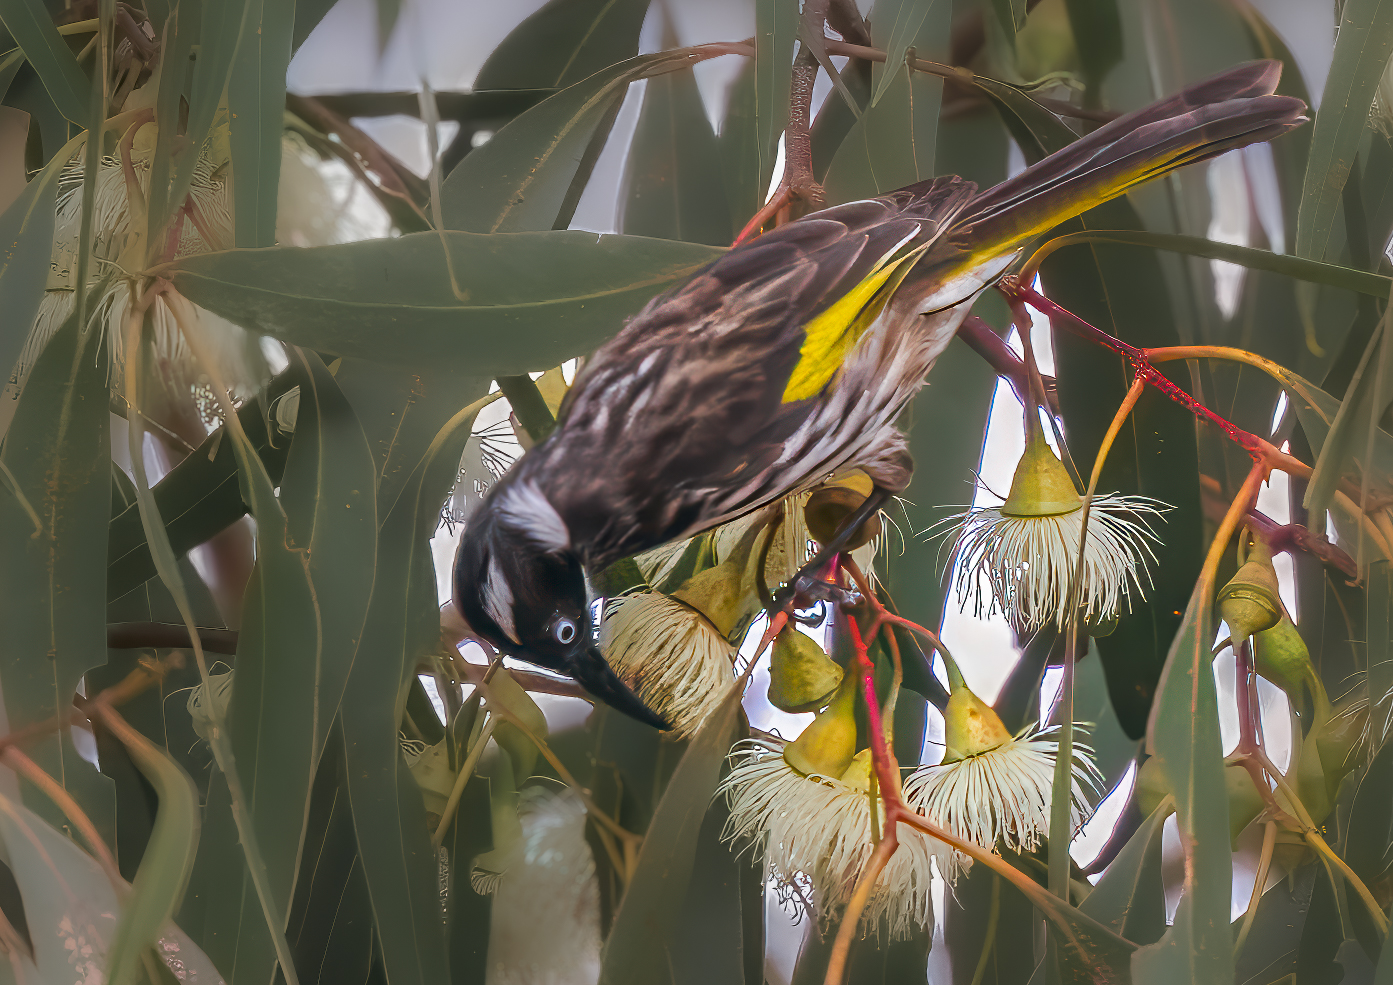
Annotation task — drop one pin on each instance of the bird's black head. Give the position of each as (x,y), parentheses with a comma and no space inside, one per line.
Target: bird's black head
(520,585)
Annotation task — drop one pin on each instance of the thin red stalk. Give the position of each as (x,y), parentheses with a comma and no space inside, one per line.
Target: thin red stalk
(1139,362)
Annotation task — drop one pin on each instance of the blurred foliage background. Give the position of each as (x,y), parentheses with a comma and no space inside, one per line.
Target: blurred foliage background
(266,349)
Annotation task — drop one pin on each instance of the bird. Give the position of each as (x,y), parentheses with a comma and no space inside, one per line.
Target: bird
(785,361)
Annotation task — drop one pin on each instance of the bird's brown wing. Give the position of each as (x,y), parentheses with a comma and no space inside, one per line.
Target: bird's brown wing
(691,393)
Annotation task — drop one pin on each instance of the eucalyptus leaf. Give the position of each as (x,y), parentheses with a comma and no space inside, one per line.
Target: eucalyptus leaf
(256,110)
(530,300)
(1184,733)
(1362,48)
(72,908)
(895,26)
(31,25)
(637,947)
(673,176)
(564,42)
(1131,896)
(528,176)
(54,544)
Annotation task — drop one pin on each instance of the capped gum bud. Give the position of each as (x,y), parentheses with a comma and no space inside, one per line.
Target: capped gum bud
(1245,803)
(1041,486)
(827,746)
(828,507)
(970,726)
(719,594)
(1250,602)
(801,677)
(1281,656)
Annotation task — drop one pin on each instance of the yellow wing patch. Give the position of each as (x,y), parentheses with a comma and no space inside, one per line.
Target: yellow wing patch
(831,335)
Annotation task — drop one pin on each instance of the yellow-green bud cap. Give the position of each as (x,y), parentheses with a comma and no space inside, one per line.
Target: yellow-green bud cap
(718,594)
(827,746)
(831,504)
(1281,656)
(970,726)
(1250,602)
(801,676)
(1041,485)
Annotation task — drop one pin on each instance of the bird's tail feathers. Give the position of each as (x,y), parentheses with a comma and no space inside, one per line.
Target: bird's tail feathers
(1229,110)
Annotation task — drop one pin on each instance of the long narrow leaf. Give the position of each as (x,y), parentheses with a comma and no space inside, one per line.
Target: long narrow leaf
(31,25)
(1362,47)
(256,105)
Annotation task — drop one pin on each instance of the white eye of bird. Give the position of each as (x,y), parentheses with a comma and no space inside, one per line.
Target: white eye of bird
(564,630)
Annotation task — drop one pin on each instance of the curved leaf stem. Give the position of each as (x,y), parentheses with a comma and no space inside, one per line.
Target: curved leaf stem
(36,775)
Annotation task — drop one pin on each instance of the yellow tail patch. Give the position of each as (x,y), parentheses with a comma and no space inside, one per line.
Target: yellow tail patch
(831,335)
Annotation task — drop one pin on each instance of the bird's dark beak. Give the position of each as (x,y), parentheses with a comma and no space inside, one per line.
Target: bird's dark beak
(591,671)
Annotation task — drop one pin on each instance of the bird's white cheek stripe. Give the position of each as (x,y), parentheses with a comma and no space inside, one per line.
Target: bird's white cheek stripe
(522,507)
(498,600)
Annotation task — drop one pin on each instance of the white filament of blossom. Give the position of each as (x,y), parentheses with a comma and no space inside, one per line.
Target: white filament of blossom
(1002,796)
(669,653)
(820,828)
(1028,561)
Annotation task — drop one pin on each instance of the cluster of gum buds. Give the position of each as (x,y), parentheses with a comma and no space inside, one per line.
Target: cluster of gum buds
(676,639)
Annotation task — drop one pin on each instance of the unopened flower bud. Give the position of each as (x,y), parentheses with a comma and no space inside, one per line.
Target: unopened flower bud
(828,745)
(801,677)
(1250,602)
(829,507)
(1329,753)
(1281,656)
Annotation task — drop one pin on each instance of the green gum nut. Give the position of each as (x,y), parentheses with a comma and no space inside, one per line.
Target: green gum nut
(1329,753)
(1280,655)
(1250,602)
(828,745)
(801,677)
(1041,485)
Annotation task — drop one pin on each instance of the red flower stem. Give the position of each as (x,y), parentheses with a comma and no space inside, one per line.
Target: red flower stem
(886,768)
(1140,363)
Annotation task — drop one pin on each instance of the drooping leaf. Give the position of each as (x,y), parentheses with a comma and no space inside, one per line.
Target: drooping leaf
(739,149)
(564,42)
(256,107)
(51,584)
(895,26)
(31,25)
(72,908)
(892,145)
(169,856)
(969,921)
(637,947)
(27,227)
(1315,271)
(1362,47)
(1368,838)
(1131,896)
(532,300)
(327,493)
(403,626)
(673,175)
(776,29)
(1348,438)
(530,174)
(1184,733)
